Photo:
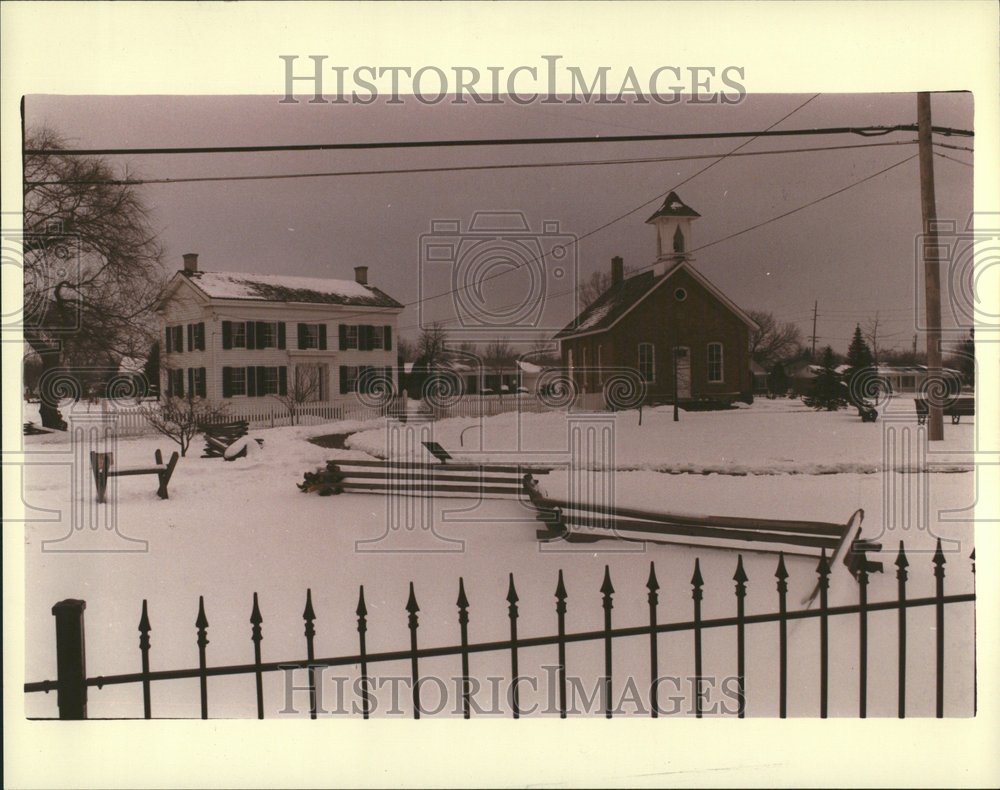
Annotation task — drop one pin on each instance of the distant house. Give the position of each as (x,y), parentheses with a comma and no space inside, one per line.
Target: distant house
(231,337)
(671,324)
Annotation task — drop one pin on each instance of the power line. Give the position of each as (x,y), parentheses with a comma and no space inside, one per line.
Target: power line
(864,131)
(807,205)
(718,241)
(459,168)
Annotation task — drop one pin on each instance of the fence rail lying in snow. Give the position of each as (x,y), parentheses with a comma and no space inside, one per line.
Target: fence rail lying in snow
(72,684)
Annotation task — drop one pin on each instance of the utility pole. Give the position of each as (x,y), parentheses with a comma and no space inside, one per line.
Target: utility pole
(931,255)
(812,354)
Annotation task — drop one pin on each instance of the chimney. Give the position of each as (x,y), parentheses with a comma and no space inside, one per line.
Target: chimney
(361,275)
(617,270)
(190,262)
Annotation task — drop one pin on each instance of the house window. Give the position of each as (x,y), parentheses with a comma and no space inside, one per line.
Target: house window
(270,382)
(647,362)
(267,335)
(348,378)
(715,362)
(240,339)
(312,336)
(237,380)
(349,335)
(377,337)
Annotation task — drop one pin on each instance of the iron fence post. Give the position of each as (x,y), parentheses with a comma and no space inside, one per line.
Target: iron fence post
(71,659)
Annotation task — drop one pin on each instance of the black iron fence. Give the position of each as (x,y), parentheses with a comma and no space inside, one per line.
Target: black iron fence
(72,683)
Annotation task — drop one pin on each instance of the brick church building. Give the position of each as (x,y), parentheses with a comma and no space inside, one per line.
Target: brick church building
(668,322)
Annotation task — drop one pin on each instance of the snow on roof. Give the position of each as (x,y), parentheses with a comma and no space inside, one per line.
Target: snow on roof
(283,288)
(673,206)
(131,365)
(529,367)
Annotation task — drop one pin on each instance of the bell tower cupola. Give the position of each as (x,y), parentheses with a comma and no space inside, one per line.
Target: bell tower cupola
(673,232)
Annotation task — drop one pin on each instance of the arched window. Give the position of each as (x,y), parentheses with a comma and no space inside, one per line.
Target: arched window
(715,362)
(647,361)
(678,240)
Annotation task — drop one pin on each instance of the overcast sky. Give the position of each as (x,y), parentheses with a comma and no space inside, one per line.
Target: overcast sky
(854,253)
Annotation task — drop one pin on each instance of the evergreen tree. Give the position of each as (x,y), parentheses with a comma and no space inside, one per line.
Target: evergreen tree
(860,361)
(828,391)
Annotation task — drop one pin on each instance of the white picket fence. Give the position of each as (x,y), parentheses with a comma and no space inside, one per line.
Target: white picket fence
(130,420)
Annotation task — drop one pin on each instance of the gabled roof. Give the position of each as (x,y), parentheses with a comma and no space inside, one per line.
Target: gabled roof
(282,288)
(673,206)
(611,306)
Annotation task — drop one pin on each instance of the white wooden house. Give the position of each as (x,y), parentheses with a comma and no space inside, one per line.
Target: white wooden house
(238,338)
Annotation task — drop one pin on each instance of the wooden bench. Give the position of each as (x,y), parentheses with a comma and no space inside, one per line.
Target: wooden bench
(957,409)
(585,522)
(219,437)
(101,464)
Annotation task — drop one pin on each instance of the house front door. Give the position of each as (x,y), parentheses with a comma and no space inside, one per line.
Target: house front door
(683,363)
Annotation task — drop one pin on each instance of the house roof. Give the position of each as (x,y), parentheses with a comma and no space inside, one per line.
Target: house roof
(673,206)
(282,288)
(612,305)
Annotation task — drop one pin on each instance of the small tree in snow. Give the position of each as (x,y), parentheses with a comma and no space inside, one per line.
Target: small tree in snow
(827,388)
(181,419)
(304,387)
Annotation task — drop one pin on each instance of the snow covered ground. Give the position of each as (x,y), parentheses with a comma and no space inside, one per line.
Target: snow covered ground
(232,529)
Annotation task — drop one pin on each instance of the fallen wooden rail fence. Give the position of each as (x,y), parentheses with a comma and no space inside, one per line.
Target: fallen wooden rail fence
(403,477)
(72,684)
(584,521)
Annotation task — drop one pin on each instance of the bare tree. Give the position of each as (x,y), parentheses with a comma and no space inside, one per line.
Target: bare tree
(496,356)
(405,349)
(590,289)
(543,352)
(774,341)
(181,419)
(432,345)
(92,266)
(870,334)
(305,386)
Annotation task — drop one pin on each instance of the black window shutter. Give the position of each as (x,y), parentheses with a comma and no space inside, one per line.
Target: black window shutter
(251,381)
(191,381)
(203,382)
(170,384)
(178,338)
(343,340)
(302,336)
(170,339)
(343,378)
(251,336)
(227,334)
(260,381)
(227,382)
(322,337)
(259,332)
(281,334)
(190,337)
(199,335)
(179,383)
(387,334)
(363,344)
(283,380)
